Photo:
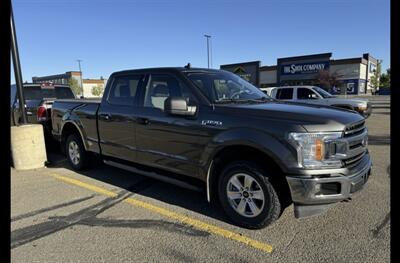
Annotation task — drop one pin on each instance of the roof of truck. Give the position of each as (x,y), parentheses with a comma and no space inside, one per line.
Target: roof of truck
(168,69)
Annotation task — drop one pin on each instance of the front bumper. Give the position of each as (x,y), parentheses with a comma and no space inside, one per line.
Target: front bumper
(306,191)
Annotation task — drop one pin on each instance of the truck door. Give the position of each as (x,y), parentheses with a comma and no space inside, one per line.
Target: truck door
(164,141)
(117,117)
(284,94)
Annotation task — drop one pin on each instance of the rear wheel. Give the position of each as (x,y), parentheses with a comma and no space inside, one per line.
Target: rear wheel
(247,196)
(76,153)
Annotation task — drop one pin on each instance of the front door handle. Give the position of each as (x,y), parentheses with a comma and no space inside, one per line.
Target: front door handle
(105,116)
(143,121)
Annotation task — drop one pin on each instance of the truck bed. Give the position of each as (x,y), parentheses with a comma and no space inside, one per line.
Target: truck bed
(85,112)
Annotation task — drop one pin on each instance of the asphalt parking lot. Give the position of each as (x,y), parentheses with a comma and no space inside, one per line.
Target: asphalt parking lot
(109,215)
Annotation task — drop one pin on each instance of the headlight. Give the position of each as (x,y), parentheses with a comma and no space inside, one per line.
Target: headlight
(315,150)
(361,107)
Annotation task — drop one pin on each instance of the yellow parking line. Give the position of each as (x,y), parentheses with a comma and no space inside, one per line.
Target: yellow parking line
(167,213)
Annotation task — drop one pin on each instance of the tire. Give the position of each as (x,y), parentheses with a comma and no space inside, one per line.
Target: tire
(78,157)
(256,214)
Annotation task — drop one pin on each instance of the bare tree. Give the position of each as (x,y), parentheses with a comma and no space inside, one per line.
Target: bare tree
(74,85)
(327,80)
(97,90)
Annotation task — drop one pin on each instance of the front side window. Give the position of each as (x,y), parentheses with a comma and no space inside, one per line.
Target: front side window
(162,86)
(322,92)
(124,90)
(306,94)
(284,94)
(224,86)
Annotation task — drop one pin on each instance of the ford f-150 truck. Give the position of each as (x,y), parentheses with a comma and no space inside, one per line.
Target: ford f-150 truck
(318,96)
(209,129)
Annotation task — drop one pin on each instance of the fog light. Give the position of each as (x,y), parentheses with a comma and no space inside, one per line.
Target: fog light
(328,189)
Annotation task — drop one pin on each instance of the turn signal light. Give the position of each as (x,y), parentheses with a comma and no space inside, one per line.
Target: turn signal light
(319,150)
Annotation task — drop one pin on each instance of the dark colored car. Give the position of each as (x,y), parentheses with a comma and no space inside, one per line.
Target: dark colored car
(210,129)
(39,99)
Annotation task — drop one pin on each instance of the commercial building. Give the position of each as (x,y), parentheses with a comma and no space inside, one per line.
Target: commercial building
(89,85)
(353,74)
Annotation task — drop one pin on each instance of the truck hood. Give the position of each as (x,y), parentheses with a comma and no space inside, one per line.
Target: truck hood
(314,118)
(353,102)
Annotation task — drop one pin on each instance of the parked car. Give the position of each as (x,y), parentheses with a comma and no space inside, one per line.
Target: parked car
(38,102)
(384,91)
(316,95)
(210,129)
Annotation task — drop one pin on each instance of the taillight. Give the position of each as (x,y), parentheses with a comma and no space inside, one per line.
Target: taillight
(42,113)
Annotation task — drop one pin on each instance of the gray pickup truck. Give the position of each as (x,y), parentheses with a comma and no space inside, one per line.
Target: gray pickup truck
(38,102)
(316,95)
(210,130)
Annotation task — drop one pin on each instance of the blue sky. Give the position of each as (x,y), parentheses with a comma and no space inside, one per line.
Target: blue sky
(112,35)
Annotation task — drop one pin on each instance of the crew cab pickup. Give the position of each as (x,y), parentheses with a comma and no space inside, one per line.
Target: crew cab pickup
(316,95)
(210,130)
(39,99)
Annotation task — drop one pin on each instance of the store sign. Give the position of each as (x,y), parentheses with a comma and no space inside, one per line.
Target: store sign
(248,71)
(241,72)
(304,68)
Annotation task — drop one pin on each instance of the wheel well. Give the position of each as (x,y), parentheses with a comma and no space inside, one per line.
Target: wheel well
(68,129)
(247,153)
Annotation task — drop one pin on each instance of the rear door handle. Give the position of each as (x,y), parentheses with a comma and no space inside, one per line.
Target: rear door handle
(105,116)
(143,121)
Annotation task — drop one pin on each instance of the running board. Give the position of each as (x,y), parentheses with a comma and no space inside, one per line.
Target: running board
(154,176)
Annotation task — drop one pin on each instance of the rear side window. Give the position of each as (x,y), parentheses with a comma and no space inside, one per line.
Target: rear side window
(54,92)
(284,94)
(306,94)
(124,90)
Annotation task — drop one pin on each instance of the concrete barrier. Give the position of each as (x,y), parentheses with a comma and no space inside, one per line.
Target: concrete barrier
(28,147)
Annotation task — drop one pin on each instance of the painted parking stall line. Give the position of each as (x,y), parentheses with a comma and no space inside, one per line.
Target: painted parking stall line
(212,229)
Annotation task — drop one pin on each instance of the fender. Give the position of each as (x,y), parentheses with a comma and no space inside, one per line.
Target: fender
(278,150)
(71,117)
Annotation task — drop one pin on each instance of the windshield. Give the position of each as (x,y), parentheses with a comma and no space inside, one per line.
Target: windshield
(224,86)
(39,93)
(322,92)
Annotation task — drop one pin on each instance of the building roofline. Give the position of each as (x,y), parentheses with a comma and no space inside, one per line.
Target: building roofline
(349,61)
(304,57)
(244,63)
(266,68)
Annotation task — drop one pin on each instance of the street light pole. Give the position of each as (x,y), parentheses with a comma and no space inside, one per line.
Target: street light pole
(80,70)
(17,69)
(208,50)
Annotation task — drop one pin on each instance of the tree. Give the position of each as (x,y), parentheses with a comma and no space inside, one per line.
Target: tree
(76,88)
(328,80)
(375,78)
(384,80)
(97,90)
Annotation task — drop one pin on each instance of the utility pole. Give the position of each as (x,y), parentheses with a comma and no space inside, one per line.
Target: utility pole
(208,50)
(80,70)
(17,69)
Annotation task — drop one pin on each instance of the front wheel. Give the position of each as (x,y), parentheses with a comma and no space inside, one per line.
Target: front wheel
(76,153)
(247,196)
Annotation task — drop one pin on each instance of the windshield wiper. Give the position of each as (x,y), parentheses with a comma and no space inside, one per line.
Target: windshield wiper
(258,100)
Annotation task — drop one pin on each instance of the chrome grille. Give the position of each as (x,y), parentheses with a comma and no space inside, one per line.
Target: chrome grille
(354,129)
(352,161)
(354,134)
